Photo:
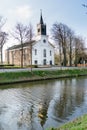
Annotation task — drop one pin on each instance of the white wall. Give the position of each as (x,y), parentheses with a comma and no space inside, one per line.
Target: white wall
(40,46)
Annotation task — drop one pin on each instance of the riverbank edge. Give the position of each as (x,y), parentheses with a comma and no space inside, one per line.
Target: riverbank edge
(40,75)
(79,123)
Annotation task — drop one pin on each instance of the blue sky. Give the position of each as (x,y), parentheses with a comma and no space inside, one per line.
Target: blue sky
(69,12)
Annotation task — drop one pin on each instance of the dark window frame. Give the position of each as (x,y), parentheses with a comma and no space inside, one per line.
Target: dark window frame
(35,51)
(44,52)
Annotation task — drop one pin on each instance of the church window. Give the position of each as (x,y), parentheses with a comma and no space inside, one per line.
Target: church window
(38,30)
(35,62)
(50,53)
(50,62)
(44,52)
(35,51)
(42,29)
(44,62)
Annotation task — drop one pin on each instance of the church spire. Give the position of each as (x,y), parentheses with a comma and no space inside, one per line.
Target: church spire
(41,18)
(41,27)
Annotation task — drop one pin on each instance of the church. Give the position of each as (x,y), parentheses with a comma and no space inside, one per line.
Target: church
(42,49)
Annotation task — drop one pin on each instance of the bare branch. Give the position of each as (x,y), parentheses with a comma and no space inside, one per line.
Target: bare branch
(22,33)
(3,39)
(2,22)
(84,5)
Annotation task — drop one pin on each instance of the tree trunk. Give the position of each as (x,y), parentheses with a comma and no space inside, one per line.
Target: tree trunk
(64,54)
(31,55)
(70,55)
(1,56)
(60,55)
(76,57)
(21,56)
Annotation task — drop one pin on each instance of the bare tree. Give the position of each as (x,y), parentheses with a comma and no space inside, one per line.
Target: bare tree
(3,36)
(22,33)
(85,6)
(3,39)
(70,44)
(55,35)
(30,32)
(60,34)
(30,36)
(2,22)
(79,49)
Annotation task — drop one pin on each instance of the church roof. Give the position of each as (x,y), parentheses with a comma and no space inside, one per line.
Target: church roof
(51,44)
(19,45)
(26,44)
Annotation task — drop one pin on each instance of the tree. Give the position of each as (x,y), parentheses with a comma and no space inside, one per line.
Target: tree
(55,35)
(30,36)
(70,45)
(2,22)
(30,32)
(79,49)
(60,34)
(85,6)
(3,39)
(22,33)
(3,36)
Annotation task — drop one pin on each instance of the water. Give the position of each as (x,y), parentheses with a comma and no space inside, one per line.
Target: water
(43,104)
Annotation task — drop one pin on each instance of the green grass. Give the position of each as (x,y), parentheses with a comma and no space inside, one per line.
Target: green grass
(39,74)
(77,124)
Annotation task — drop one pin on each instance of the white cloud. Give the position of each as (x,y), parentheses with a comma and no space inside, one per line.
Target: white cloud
(21,13)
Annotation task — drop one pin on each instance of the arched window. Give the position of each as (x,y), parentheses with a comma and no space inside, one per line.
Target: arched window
(50,53)
(44,52)
(35,51)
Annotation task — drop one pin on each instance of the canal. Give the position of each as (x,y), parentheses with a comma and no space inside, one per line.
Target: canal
(43,104)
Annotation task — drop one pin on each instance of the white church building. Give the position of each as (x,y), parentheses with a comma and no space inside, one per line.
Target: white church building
(42,49)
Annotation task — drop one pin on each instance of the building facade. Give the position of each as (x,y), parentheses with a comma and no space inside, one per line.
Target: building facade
(42,50)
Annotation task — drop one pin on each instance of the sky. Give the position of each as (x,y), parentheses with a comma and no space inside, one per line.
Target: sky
(69,12)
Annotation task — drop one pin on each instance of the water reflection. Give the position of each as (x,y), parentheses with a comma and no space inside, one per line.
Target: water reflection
(39,105)
(70,98)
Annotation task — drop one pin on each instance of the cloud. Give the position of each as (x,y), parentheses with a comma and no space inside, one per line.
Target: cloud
(21,12)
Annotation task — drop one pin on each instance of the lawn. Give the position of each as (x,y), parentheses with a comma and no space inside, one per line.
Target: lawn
(77,124)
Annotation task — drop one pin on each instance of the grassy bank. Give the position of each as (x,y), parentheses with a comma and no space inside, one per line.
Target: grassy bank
(78,124)
(12,77)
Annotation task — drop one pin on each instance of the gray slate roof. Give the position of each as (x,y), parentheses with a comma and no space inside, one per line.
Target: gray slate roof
(25,45)
(19,45)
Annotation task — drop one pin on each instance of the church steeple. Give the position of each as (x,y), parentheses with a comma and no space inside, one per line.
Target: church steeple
(41,27)
(41,18)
